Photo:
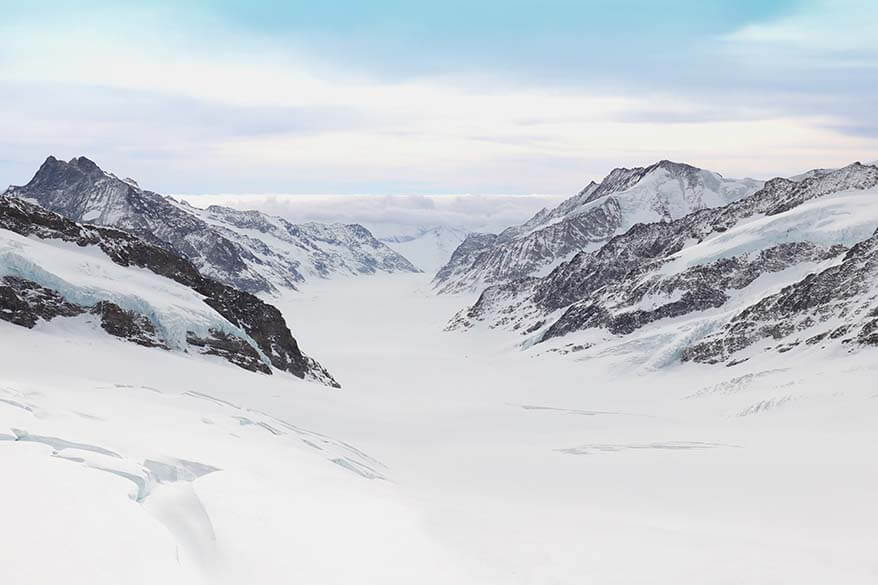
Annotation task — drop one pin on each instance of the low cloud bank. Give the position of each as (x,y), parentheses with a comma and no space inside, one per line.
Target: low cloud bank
(388,215)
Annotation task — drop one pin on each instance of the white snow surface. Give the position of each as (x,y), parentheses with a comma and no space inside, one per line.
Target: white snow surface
(448,458)
(846,218)
(659,196)
(428,248)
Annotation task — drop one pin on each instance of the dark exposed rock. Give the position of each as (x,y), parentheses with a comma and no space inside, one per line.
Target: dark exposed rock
(80,191)
(466,254)
(633,280)
(846,291)
(128,325)
(660,192)
(262,322)
(699,288)
(233,349)
(23,302)
(589,272)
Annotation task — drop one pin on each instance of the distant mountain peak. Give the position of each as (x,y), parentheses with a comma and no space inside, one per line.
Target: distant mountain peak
(275,255)
(793,264)
(663,191)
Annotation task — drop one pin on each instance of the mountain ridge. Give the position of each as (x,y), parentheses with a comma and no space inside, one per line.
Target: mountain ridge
(708,262)
(214,241)
(53,267)
(659,192)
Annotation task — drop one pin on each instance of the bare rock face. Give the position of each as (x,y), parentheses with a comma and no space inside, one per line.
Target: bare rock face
(23,302)
(841,300)
(662,192)
(219,242)
(263,323)
(648,274)
(233,349)
(699,288)
(128,325)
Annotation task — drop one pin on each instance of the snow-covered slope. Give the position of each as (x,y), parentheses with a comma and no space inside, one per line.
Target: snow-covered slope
(124,465)
(713,282)
(53,270)
(245,249)
(428,248)
(294,253)
(661,192)
(135,466)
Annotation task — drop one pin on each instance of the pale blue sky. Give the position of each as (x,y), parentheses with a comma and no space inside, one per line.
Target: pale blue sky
(433,97)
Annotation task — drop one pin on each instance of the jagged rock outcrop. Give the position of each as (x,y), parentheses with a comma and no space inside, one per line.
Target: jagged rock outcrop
(248,250)
(661,192)
(704,268)
(261,322)
(293,253)
(588,272)
(23,302)
(128,325)
(839,302)
(233,349)
(624,306)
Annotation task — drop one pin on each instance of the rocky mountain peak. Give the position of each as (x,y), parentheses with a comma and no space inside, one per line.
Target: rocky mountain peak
(85,165)
(674,167)
(244,249)
(239,326)
(664,191)
(55,174)
(793,264)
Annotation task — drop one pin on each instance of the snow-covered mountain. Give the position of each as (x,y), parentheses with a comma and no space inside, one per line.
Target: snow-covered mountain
(55,273)
(181,469)
(796,263)
(429,248)
(245,249)
(664,191)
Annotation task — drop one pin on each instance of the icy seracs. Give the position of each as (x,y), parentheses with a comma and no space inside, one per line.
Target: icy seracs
(52,267)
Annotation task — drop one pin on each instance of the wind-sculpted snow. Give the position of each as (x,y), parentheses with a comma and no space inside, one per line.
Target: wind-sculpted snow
(661,192)
(701,272)
(141,292)
(244,249)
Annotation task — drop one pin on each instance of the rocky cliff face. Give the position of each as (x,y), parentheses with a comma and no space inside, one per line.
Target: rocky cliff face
(716,275)
(661,192)
(264,340)
(840,302)
(244,249)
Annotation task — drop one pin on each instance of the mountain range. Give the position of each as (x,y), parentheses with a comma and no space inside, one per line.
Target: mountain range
(792,265)
(654,265)
(58,273)
(248,250)
(661,192)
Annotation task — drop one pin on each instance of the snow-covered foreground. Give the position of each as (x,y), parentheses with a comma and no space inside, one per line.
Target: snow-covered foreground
(446,458)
